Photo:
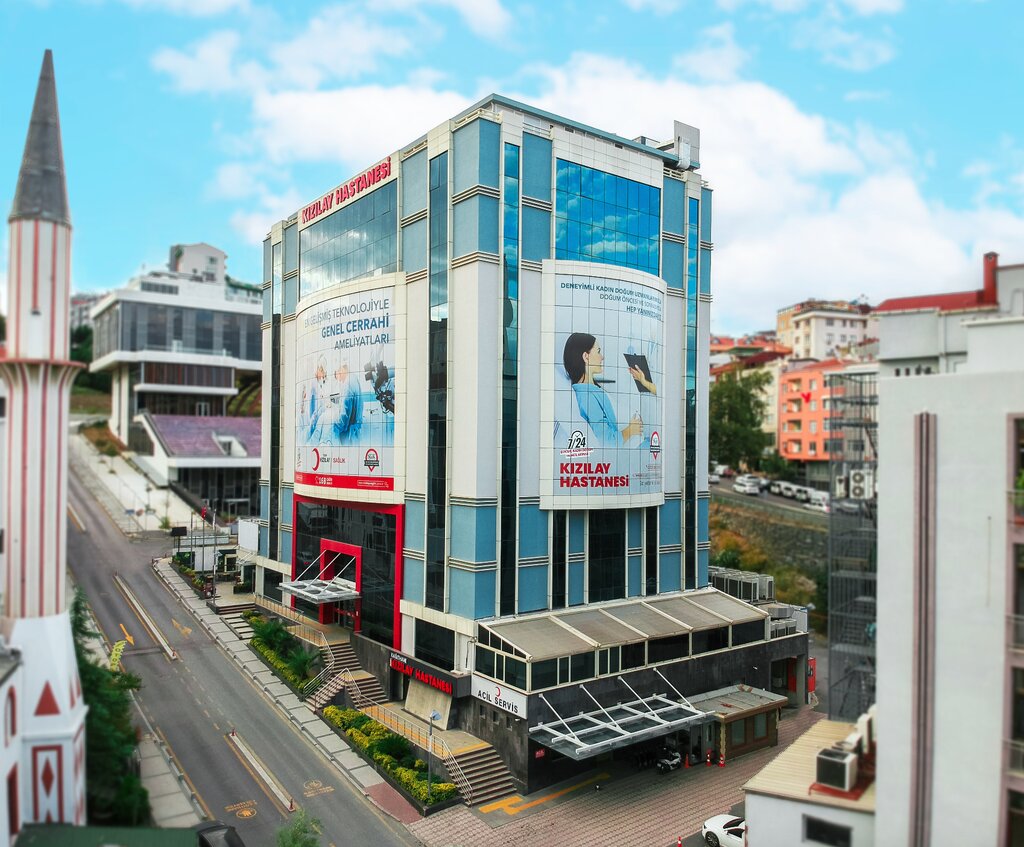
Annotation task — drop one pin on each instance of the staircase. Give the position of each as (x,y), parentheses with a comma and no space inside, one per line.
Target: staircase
(239,625)
(486,774)
(337,659)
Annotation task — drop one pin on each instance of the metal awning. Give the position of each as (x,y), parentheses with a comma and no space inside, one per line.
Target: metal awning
(319,590)
(592,733)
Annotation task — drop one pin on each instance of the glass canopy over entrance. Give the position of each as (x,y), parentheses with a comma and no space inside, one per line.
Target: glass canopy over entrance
(622,725)
(321,591)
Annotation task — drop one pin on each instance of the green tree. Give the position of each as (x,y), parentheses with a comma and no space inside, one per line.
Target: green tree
(81,351)
(778,468)
(114,794)
(737,407)
(300,831)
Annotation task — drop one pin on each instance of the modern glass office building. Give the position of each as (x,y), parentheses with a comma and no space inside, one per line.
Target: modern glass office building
(487,360)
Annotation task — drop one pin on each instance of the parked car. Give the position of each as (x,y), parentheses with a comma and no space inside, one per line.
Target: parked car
(724,831)
(220,834)
(775,486)
(817,506)
(787,489)
(746,486)
(801,494)
(713,478)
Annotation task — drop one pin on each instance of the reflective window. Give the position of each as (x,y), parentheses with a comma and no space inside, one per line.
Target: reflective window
(356,241)
(600,217)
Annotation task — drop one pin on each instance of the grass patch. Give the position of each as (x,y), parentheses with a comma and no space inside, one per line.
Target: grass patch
(89,401)
(103,440)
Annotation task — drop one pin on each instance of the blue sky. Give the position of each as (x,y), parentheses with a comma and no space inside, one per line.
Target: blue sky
(855,146)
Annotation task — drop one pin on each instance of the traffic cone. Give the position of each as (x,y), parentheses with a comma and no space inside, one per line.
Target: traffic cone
(686,764)
(679,841)
(232,732)
(721,760)
(708,759)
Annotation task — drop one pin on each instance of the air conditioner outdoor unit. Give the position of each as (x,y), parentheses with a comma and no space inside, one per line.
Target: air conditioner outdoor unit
(865,726)
(862,485)
(853,743)
(840,490)
(836,769)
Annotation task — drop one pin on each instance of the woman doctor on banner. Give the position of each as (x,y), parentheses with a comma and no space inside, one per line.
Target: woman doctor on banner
(583,360)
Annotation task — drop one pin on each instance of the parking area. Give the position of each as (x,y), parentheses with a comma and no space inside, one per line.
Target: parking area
(622,809)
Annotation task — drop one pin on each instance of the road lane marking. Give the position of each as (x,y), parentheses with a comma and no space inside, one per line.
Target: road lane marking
(143,616)
(127,637)
(184,775)
(75,519)
(514,805)
(251,762)
(185,631)
(314,788)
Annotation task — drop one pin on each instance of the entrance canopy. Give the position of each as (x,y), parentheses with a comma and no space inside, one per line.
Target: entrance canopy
(622,725)
(321,591)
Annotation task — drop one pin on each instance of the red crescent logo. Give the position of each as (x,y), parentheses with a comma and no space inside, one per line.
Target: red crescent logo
(497,688)
(316,454)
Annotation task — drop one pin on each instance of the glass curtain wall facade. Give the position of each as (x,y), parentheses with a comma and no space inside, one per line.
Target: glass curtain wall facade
(508,555)
(690,490)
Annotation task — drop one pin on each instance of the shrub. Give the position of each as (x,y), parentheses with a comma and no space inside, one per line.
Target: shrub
(276,662)
(389,763)
(357,738)
(393,746)
(416,784)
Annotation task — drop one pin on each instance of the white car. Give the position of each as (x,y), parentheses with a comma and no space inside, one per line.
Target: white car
(724,830)
(746,486)
(817,506)
(713,478)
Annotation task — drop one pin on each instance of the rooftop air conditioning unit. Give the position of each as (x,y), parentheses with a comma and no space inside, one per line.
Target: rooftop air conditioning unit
(853,743)
(840,488)
(862,485)
(836,769)
(866,726)
(766,587)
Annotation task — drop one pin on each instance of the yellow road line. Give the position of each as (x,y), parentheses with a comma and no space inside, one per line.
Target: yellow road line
(263,786)
(514,805)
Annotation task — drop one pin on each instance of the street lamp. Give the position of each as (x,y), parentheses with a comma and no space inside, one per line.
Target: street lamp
(434,716)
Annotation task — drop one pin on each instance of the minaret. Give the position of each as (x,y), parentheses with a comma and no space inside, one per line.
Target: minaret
(35,367)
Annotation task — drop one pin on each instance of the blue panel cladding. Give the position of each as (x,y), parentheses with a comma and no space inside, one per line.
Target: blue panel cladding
(702,520)
(488,230)
(536,234)
(536,167)
(533,589)
(533,532)
(575,583)
(472,593)
(284,549)
(414,247)
(490,153)
(412,580)
(634,528)
(264,541)
(265,501)
(414,184)
(576,533)
(635,577)
(477,148)
(476,225)
(285,499)
(702,568)
(705,271)
(672,264)
(415,514)
(674,202)
(668,572)
(474,534)
(705,214)
(668,523)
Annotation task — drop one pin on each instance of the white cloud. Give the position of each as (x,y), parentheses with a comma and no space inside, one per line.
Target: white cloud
(339,42)
(356,125)
(255,221)
(193,8)
(874,7)
(842,47)
(487,18)
(209,65)
(865,96)
(235,181)
(719,61)
(859,7)
(659,7)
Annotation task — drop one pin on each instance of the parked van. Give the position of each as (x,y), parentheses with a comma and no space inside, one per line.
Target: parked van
(787,489)
(801,494)
(775,486)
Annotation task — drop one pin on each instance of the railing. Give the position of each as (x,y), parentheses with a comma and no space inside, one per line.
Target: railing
(1015,757)
(302,630)
(412,731)
(1015,500)
(1016,631)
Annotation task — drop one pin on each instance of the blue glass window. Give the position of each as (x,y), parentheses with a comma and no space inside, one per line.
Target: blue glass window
(692,243)
(356,241)
(601,217)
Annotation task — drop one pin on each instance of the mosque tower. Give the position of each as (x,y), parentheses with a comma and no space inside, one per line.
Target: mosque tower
(34,364)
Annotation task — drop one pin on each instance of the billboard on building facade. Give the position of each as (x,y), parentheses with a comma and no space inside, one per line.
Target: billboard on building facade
(345,392)
(605,345)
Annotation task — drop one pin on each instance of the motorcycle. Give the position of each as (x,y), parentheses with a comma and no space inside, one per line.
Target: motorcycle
(669,761)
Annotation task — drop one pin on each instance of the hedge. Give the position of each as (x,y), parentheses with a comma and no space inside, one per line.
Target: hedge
(277,663)
(389,751)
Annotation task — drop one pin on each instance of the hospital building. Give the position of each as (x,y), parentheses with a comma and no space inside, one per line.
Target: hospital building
(485,430)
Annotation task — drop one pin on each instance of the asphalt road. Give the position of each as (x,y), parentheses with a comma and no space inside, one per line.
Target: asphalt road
(724,490)
(196,701)
(697,840)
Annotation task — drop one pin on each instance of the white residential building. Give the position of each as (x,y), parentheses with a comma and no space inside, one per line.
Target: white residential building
(818,329)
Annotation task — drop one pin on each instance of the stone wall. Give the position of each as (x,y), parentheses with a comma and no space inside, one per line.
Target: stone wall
(786,535)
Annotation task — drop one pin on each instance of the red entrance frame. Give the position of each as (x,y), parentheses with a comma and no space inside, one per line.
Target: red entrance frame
(327,569)
(398,511)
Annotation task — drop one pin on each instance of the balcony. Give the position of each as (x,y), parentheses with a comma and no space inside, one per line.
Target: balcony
(1015,631)
(1015,501)
(1015,756)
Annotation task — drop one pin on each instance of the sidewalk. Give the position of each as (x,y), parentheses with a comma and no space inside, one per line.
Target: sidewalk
(362,776)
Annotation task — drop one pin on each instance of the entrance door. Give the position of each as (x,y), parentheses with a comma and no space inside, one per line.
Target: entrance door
(340,559)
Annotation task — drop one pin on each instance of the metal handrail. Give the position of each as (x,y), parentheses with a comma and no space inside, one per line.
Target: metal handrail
(280,609)
(1015,749)
(301,629)
(411,731)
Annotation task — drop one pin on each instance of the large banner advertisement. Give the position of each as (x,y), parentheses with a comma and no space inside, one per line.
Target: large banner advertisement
(345,392)
(607,362)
